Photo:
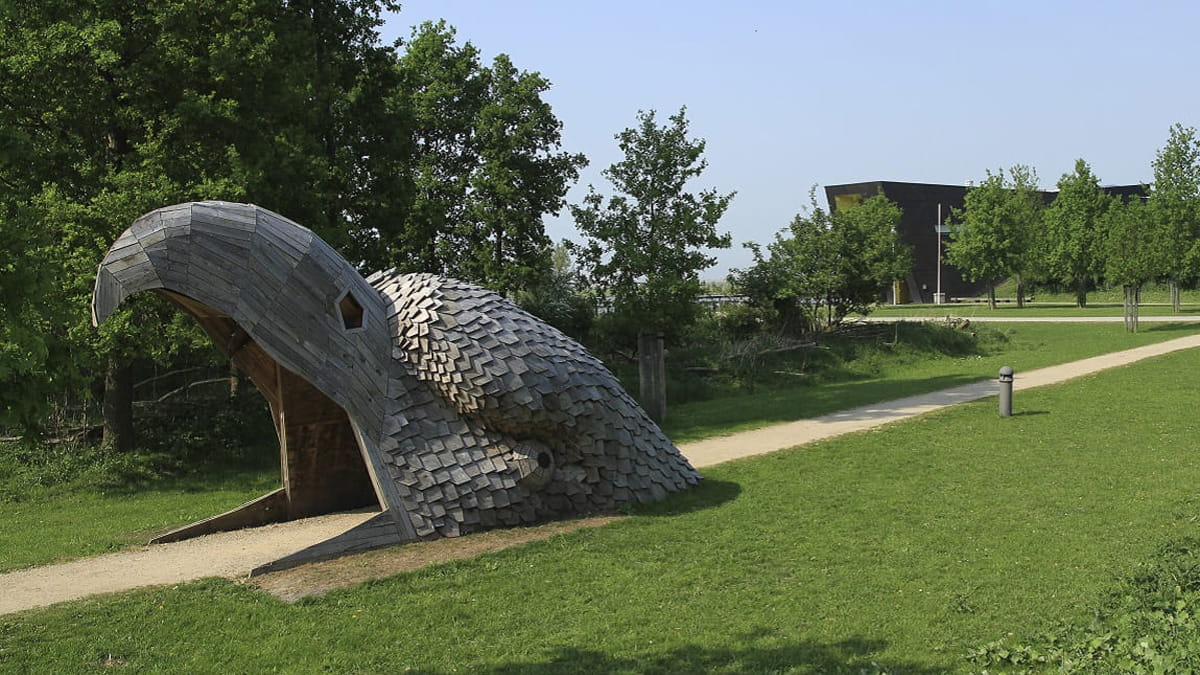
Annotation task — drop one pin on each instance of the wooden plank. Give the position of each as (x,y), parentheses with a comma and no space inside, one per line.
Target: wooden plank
(269,508)
(222,231)
(108,294)
(278,227)
(131,259)
(235,216)
(148,223)
(153,238)
(142,277)
(126,248)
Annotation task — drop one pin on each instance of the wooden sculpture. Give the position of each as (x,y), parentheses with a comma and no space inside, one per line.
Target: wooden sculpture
(440,401)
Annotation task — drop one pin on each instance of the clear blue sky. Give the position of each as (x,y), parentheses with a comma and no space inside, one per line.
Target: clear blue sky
(794,94)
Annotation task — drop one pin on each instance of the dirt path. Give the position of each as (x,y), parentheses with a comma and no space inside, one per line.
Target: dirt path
(234,554)
(790,434)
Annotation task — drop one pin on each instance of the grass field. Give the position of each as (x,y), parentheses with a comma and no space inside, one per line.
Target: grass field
(46,521)
(83,519)
(886,376)
(1032,309)
(895,550)
(1102,302)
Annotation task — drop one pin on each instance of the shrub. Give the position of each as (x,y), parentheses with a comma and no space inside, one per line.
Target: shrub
(1147,624)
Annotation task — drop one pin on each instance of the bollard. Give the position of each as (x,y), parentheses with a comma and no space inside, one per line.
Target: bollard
(1006,384)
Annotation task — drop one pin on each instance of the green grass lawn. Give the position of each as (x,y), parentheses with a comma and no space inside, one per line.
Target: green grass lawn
(84,516)
(1031,309)
(892,550)
(90,523)
(1152,294)
(1102,302)
(882,377)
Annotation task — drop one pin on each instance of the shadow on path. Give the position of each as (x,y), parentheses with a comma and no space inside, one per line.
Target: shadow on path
(854,655)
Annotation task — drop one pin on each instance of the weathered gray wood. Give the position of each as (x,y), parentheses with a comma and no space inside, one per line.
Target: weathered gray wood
(377,532)
(269,508)
(453,407)
(652,375)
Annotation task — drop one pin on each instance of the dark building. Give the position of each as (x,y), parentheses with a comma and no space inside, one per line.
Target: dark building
(921,229)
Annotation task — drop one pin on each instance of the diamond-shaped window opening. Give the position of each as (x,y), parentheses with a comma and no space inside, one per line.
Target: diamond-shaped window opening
(351,311)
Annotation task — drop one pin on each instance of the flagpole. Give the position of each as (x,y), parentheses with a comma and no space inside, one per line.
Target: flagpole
(938,232)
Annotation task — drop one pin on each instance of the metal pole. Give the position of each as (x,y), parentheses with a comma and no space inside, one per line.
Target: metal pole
(938,230)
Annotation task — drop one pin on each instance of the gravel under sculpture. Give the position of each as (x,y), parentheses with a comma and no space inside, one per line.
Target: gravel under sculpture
(438,400)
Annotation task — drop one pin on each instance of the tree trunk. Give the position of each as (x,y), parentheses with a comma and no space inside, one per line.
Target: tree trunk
(118,406)
(1175,296)
(992,296)
(1132,294)
(1020,294)
(235,382)
(652,375)
(1081,293)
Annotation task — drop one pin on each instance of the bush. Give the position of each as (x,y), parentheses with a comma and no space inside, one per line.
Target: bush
(175,438)
(1147,624)
(209,428)
(708,361)
(740,322)
(30,470)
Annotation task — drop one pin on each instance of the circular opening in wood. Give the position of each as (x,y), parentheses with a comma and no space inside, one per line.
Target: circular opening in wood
(543,460)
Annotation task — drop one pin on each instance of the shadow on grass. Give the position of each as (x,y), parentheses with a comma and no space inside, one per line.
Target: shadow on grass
(1029,413)
(708,494)
(201,477)
(855,655)
(1168,327)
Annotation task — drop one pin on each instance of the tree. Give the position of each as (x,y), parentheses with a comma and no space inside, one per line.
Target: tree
(113,108)
(644,249)
(1175,202)
(560,298)
(520,178)
(826,266)
(486,165)
(995,229)
(1073,235)
(1131,251)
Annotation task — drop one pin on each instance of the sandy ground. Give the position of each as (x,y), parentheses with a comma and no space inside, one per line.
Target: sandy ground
(234,554)
(319,578)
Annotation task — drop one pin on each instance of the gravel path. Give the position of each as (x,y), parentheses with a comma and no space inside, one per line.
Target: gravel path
(234,554)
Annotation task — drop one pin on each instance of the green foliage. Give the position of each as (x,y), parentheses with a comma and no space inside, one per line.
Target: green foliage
(1131,247)
(742,321)
(1175,204)
(31,344)
(827,266)
(486,166)
(893,550)
(1148,624)
(706,363)
(1073,237)
(994,232)
(644,248)
(423,162)
(559,298)
(842,371)
(178,438)
(114,108)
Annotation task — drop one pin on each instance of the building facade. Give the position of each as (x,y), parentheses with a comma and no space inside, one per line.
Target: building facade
(921,228)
